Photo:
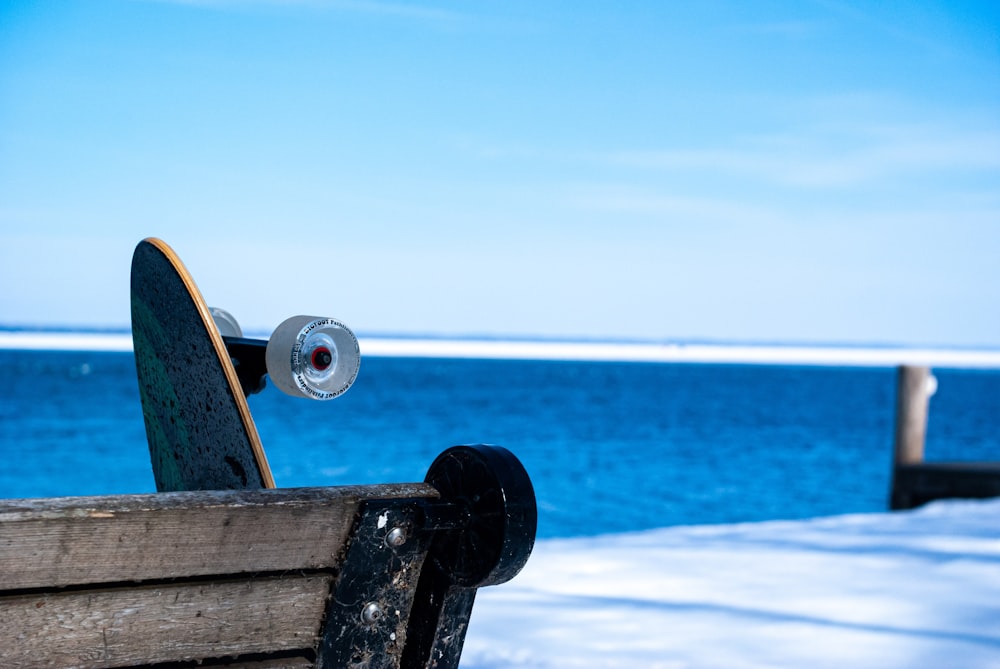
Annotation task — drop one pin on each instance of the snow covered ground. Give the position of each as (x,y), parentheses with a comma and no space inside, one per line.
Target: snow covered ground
(914,589)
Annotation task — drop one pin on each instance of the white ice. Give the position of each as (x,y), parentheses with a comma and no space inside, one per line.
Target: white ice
(554,350)
(916,589)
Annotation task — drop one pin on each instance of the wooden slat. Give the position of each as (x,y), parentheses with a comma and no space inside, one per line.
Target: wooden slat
(144,625)
(86,540)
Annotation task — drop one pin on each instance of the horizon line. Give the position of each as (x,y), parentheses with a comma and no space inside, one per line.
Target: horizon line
(95,331)
(592,350)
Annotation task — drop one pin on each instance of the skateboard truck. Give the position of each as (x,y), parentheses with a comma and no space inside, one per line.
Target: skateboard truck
(306,356)
(248,359)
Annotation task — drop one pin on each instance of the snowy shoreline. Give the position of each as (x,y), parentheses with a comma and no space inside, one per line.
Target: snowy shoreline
(568,350)
(916,589)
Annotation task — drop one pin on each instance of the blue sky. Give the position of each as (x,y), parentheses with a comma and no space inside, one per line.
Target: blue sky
(767,171)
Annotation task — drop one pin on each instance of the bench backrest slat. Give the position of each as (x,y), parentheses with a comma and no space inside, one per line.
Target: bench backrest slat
(72,541)
(122,626)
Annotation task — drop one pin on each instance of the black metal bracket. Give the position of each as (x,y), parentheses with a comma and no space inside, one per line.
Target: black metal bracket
(366,618)
(409,577)
(248,356)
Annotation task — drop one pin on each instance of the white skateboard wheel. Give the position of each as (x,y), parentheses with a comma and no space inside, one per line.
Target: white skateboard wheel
(313,357)
(226,322)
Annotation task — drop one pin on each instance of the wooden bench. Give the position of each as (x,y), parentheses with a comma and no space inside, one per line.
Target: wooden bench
(365,576)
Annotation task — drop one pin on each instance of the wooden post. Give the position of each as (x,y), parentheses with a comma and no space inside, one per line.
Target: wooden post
(912,398)
(913,390)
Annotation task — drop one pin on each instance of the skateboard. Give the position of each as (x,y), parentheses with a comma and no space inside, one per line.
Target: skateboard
(195,371)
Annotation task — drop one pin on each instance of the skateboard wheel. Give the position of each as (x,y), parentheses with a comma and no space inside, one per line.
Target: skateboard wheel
(226,322)
(313,357)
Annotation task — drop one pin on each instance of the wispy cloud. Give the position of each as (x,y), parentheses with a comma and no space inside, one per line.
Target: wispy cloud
(633,200)
(888,24)
(829,159)
(791,29)
(374,7)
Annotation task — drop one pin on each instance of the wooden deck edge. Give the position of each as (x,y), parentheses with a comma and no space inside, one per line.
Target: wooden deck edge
(916,484)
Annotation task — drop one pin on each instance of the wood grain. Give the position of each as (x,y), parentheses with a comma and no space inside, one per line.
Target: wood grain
(88,540)
(912,400)
(145,625)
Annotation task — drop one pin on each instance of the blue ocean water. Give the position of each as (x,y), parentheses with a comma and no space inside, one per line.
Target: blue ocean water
(610,447)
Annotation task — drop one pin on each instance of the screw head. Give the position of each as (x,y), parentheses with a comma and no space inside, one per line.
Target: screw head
(372,613)
(396,537)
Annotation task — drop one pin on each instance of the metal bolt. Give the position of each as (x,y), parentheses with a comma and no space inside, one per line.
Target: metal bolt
(396,537)
(372,613)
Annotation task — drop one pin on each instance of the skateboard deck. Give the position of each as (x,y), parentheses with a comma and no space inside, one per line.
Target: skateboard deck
(198,424)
